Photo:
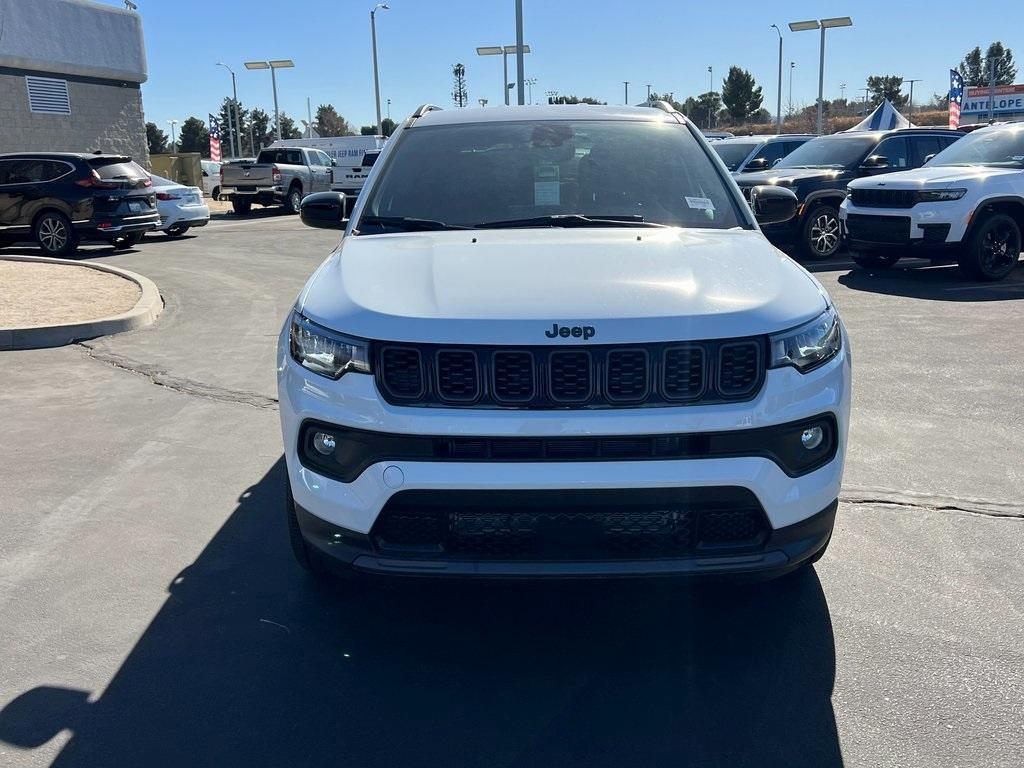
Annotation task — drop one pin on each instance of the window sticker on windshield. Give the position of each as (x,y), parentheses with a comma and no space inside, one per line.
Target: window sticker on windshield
(700,203)
(546,187)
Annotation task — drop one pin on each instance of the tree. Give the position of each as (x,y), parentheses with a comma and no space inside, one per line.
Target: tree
(975,68)
(288,128)
(329,123)
(194,137)
(705,108)
(459,93)
(259,122)
(387,126)
(884,87)
(741,95)
(368,130)
(574,100)
(156,139)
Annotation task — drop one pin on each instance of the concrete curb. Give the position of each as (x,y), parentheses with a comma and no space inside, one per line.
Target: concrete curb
(145,312)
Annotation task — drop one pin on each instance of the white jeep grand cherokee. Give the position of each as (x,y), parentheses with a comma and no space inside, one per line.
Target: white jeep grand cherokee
(553,342)
(967,201)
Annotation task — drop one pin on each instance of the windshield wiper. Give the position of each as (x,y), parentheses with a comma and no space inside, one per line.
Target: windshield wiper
(571,220)
(406,224)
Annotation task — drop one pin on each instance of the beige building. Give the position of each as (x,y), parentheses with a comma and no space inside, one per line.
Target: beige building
(70,78)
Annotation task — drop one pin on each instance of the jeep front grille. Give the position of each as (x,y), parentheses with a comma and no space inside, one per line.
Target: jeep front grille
(570,376)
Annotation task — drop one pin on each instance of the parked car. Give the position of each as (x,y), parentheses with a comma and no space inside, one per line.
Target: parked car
(718,135)
(819,171)
(61,198)
(211,179)
(591,363)
(745,154)
(180,207)
(967,201)
(280,176)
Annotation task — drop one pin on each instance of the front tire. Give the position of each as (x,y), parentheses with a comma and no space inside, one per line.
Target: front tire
(55,235)
(820,233)
(241,207)
(215,194)
(875,259)
(993,249)
(293,202)
(307,558)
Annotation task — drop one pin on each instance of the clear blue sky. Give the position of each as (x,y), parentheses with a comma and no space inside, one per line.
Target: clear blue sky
(586,47)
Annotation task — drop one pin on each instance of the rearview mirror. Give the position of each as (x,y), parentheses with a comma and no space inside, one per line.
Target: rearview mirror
(757,164)
(773,205)
(875,162)
(324,210)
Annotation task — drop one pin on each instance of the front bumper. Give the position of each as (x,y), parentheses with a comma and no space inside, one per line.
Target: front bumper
(353,401)
(923,226)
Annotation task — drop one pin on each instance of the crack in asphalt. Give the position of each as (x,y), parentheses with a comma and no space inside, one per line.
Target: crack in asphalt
(162,378)
(852,495)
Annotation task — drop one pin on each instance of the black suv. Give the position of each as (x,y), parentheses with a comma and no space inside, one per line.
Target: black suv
(818,172)
(60,198)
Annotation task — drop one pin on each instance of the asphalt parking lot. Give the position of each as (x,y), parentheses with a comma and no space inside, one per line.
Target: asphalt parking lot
(152,613)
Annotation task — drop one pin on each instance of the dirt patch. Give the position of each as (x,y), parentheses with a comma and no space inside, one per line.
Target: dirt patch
(35,293)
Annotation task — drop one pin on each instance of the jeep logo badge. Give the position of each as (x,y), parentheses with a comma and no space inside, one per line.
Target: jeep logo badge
(576,331)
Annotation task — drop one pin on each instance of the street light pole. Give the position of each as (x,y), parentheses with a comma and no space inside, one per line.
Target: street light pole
(174,138)
(626,84)
(778,109)
(376,76)
(236,149)
(711,101)
(821,24)
(520,63)
(273,65)
(504,67)
(910,109)
(504,50)
(792,66)
(648,91)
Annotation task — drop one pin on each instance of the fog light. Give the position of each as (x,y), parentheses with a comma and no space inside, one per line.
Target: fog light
(324,443)
(810,438)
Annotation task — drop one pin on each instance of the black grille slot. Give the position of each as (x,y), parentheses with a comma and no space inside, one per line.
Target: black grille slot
(458,375)
(570,376)
(739,368)
(512,377)
(626,375)
(683,375)
(567,525)
(402,372)
(884,198)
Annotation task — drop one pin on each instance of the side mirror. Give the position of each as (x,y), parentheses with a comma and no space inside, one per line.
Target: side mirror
(325,210)
(875,162)
(929,157)
(334,163)
(757,164)
(773,205)
(205,175)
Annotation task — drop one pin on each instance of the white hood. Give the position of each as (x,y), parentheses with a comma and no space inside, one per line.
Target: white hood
(937,177)
(511,286)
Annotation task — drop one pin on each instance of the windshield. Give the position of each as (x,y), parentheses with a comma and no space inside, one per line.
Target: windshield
(829,152)
(549,173)
(996,148)
(733,154)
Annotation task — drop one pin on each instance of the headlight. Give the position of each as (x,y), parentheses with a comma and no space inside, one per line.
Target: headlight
(938,195)
(326,352)
(810,345)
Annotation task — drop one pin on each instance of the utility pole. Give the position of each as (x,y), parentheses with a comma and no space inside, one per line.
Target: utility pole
(910,109)
(376,76)
(520,65)
(626,84)
(648,91)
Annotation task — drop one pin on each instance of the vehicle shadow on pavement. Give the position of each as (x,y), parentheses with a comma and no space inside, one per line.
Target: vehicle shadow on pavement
(250,663)
(89,251)
(938,283)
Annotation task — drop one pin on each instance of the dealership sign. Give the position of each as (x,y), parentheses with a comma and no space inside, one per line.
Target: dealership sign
(1008,99)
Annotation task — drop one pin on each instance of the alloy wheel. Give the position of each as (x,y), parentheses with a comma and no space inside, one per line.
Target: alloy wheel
(824,238)
(53,234)
(999,248)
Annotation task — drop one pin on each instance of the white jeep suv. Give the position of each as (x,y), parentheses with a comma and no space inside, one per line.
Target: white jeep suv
(967,201)
(553,342)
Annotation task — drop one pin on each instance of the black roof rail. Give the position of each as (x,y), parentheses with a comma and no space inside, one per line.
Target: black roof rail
(423,109)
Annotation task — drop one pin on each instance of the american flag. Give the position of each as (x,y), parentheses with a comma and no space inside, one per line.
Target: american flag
(214,139)
(956,97)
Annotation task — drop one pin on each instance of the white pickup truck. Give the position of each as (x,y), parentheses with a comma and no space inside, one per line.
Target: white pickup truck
(280,176)
(967,201)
